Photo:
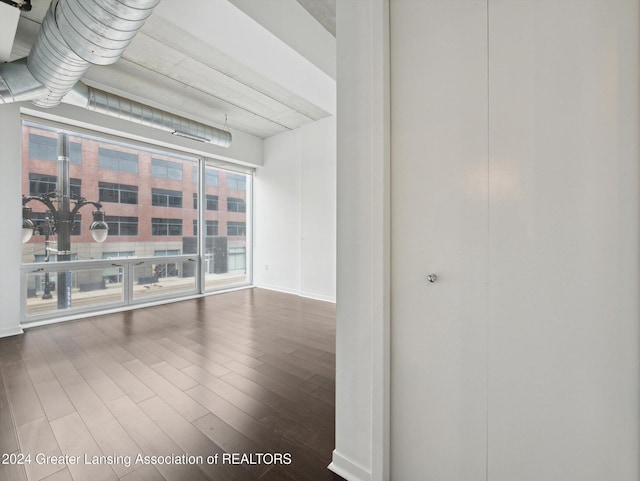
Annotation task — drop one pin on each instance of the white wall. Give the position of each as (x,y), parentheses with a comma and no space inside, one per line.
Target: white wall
(10,218)
(362,325)
(295,209)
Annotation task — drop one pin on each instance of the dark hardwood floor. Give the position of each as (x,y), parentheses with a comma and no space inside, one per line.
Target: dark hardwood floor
(247,373)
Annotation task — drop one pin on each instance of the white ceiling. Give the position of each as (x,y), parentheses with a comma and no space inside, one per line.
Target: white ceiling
(324,11)
(177,63)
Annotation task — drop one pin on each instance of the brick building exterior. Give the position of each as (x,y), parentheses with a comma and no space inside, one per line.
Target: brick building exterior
(150,200)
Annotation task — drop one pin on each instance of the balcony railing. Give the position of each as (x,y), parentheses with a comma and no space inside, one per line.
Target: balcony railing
(96,285)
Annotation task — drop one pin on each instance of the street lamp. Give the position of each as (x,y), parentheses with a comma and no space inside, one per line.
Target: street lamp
(60,219)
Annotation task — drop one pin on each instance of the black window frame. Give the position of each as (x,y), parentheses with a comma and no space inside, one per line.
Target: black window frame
(166,198)
(163,226)
(52,181)
(240,229)
(236,204)
(117,222)
(123,193)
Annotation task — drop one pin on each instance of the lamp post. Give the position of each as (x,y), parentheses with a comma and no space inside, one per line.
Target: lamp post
(61,219)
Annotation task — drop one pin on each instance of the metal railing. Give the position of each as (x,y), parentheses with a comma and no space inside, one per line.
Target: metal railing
(106,284)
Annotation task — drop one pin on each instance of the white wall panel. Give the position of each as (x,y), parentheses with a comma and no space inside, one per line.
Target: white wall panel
(439,225)
(10,218)
(318,220)
(295,211)
(277,211)
(564,244)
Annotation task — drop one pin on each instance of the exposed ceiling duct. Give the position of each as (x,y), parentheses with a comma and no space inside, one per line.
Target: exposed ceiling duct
(76,34)
(106,103)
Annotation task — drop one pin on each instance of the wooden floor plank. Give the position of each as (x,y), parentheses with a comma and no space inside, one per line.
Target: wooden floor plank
(76,441)
(111,437)
(153,441)
(23,399)
(12,471)
(245,372)
(37,437)
(188,437)
(181,402)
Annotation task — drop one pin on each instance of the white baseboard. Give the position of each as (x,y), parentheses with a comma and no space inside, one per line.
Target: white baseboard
(286,290)
(270,287)
(318,297)
(11,331)
(347,469)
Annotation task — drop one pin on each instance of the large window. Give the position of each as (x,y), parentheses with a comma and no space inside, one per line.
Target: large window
(46,148)
(237,181)
(43,224)
(121,225)
(211,228)
(166,198)
(210,202)
(120,161)
(162,226)
(166,169)
(236,205)
(236,228)
(45,184)
(153,201)
(118,193)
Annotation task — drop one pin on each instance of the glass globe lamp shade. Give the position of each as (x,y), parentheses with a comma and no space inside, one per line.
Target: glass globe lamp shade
(99,228)
(27,224)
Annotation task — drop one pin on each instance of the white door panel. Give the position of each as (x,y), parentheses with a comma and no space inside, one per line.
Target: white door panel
(439,225)
(515,178)
(564,216)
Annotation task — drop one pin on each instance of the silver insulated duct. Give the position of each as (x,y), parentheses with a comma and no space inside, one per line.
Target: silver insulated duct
(78,33)
(106,103)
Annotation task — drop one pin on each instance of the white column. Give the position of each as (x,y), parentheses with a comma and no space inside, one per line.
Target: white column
(363,242)
(10,219)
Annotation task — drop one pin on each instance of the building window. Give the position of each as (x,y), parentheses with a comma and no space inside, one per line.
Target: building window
(237,258)
(236,205)
(116,160)
(237,181)
(46,148)
(211,227)
(166,170)
(118,193)
(45,184)
(120,225)
(118,255)
(39,220)
(210,176)
(165,270)
(211,202)
(166,252)
(236,228)
(161,226)
(166,198)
